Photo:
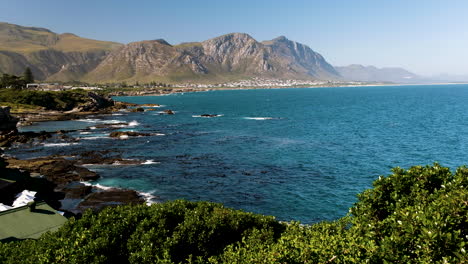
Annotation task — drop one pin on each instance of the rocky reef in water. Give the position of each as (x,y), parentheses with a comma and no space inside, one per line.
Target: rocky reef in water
(58,180)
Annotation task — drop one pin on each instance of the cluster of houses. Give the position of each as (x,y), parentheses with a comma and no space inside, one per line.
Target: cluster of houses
(57,87)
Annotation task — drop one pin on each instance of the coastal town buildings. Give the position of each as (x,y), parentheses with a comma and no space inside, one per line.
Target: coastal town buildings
(57,87)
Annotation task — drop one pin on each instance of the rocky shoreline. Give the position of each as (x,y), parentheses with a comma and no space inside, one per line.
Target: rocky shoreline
(61,181)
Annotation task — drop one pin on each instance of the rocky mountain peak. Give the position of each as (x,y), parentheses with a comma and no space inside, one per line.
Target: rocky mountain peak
(232,37)
(233,56)
(280,39)
(162,41)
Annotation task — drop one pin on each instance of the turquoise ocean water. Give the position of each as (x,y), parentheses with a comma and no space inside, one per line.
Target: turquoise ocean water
(297,154)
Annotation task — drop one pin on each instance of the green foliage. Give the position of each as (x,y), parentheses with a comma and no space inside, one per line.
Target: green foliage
(419,215)
(49,100)
(12,81)
(28,76)
(164,233)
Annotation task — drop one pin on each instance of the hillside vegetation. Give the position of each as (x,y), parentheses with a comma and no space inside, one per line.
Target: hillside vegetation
(419,215)
(24,99)
(58,57)
(21,39)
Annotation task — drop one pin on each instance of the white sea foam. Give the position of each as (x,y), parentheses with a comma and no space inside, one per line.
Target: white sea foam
(133,123)
(59,144)
(99,186)
(92,128)
(259,118)
(154,106)
(117,163)
(119,126)
(117,114)
(85,133)
(149,162)
(92,120)
(92,138)
(111,121)
(159,134)
(207,116)
(89,120)
(123,137)
(149,198)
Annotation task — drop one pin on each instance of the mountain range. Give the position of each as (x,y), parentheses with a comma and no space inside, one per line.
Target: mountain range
(231,57)
(357,72)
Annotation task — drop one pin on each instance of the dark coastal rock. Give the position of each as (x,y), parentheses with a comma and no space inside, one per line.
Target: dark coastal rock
(55,169)
(209,115)
(97,157)
(150,105)
(96,103)
(7,139)
(7,121)
(137,109)
(120,134)
(76,190)
(104,157)
(112,197)
(168,112)
(11,182)
(123,105)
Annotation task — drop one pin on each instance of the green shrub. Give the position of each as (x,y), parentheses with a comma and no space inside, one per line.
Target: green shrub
(419,215)
(49,100)
(172,232)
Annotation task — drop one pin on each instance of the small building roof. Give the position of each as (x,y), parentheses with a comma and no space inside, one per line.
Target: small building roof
(22,223)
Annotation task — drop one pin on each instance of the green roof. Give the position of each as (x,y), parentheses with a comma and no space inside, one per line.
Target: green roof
(21,223)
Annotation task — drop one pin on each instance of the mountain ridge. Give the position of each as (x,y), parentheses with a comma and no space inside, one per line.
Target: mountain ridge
(233,56)
(228,57)
(63,57)
(358,72)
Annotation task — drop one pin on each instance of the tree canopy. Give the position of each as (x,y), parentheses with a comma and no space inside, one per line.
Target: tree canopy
(28,76)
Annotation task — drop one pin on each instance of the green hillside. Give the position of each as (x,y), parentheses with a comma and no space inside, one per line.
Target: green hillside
(51,56)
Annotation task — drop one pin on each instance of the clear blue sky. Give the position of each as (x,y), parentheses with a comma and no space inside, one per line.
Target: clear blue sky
(424,36)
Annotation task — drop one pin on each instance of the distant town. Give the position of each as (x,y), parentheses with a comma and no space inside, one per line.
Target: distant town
(250,83)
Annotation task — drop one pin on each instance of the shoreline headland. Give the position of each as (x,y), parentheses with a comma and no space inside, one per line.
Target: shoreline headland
(63,181)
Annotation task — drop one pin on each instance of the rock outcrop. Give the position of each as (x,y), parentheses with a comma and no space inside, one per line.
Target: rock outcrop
(168,112)
(57,170)
(7,121)
(112,197)
(126,134)
(209,115)
(7,139)
(96,103)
